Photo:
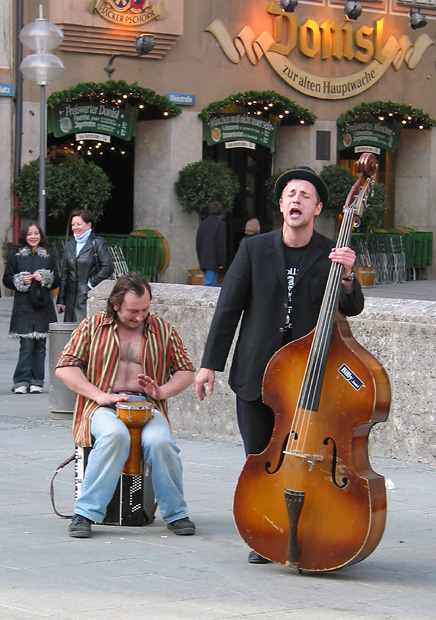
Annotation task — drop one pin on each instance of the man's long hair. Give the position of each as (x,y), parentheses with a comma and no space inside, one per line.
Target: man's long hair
(134,282)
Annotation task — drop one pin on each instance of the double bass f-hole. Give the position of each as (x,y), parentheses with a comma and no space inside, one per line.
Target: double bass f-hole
(334,461)
(281,457)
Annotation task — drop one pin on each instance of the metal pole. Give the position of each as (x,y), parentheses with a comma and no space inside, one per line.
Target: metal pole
(42,152)
(18,130)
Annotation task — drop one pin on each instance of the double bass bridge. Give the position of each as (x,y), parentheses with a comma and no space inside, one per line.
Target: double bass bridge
(310,459)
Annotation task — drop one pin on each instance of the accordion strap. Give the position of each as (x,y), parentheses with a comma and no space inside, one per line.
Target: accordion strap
(149,518)
(59,467)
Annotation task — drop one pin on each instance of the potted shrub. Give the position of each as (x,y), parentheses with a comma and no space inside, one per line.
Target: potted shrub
(199,184)
(203,182)
(339,181)
(71,185)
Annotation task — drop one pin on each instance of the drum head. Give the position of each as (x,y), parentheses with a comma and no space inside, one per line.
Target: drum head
(135,404)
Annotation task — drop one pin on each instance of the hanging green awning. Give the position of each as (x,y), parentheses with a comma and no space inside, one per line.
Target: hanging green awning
(241,128)
(85,117)
(369,133)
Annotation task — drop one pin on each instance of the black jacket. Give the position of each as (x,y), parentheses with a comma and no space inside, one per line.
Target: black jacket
(255,287)
(76,272)
(210,243)
(28,321)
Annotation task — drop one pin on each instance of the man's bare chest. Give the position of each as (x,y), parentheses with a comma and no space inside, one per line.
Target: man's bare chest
(130,346)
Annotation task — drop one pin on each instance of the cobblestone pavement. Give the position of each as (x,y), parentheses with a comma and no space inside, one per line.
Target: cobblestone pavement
(148,572)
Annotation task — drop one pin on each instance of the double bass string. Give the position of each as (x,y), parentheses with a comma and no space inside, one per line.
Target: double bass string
(313,378)
(295,455)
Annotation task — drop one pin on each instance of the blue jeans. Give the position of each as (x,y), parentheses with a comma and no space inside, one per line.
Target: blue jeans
(210,277)
(111,450)
(30,365)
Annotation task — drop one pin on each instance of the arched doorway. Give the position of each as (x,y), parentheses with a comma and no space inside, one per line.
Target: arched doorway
(252,167)
(376,127)
(116,159)
(241,132)
(98,122)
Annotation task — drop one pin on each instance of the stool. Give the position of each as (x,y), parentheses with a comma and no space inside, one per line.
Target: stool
(133,502)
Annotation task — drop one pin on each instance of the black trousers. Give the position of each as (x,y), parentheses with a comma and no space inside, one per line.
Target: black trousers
(256,423)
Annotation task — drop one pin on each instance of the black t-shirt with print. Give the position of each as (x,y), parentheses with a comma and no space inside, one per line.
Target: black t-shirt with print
(293,258)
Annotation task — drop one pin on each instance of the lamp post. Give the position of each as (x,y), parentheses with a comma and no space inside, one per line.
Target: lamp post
(41,68)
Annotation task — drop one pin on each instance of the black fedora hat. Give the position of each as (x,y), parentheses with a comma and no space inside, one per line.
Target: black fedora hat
(305,174)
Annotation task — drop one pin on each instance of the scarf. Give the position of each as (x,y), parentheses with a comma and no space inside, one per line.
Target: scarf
(80,241)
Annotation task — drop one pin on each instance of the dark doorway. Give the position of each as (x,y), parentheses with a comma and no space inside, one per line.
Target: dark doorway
(116,158)
(252,168)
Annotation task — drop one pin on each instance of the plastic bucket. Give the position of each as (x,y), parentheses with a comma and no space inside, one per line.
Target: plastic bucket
(196,276)
(61,400)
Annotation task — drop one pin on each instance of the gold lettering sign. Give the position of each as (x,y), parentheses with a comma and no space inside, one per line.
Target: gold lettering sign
(365,45)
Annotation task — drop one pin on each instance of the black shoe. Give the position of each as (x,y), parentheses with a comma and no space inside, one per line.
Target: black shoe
(80,527)
(255,558)
(182,527)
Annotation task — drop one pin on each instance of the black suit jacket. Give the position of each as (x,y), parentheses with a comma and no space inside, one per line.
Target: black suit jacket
(255,287)
(210,243)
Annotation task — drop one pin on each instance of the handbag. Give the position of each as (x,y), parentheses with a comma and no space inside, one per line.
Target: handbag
(39,295)
(97,260)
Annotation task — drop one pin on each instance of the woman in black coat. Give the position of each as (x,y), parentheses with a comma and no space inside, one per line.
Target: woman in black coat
(86,263)
(32,272)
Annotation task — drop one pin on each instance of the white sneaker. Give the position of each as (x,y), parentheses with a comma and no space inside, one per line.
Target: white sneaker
(35,389)
(22,389)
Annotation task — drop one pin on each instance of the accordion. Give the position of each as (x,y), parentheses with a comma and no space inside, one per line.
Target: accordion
(133,502)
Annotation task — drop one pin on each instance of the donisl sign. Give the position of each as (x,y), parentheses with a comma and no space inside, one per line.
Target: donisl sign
(66,119)
(322,41)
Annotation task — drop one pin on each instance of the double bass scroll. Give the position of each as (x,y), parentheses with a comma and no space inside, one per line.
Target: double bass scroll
(311,500)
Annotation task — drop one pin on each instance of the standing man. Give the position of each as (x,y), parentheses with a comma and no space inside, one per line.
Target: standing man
(276,282)
(122,354)
(210,244)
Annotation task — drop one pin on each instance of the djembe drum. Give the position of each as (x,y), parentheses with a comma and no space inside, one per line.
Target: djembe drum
(135,414)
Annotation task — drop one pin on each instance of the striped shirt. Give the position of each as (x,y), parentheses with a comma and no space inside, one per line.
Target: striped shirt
(94,347)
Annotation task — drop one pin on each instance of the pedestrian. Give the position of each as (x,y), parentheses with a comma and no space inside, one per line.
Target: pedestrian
(276,282)
(252,227)
(124,354)
(210,244)
(31,272)
(86,263)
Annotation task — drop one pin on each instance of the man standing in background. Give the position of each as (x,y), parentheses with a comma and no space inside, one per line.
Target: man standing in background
(211,244)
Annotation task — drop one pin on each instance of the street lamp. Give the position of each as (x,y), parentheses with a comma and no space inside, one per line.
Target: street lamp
(41,68)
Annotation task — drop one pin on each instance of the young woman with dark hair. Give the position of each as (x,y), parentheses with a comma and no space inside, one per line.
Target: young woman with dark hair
(31,272)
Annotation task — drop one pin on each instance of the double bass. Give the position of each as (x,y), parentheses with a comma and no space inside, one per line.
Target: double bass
(311,500)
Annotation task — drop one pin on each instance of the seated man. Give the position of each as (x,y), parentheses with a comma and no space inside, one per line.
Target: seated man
(126,351)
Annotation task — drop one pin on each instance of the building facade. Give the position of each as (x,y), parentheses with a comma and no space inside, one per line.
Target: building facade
(310,55)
